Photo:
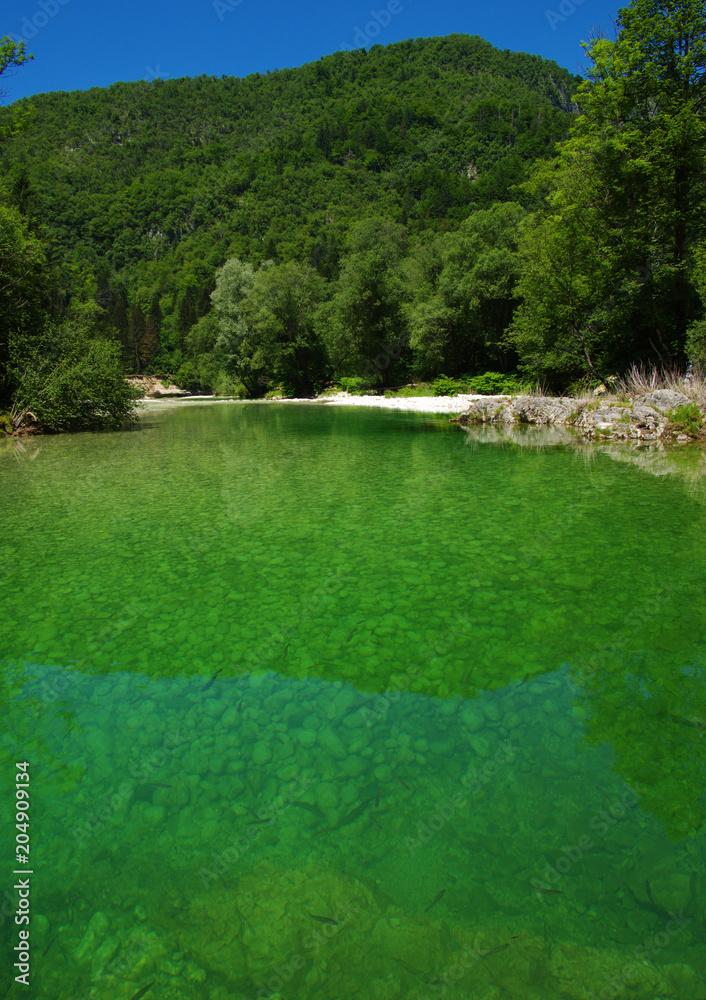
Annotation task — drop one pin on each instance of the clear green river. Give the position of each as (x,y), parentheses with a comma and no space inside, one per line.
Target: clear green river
(327,703)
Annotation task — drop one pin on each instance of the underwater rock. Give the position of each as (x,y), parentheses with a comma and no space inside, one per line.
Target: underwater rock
(262,754)
(472,718)
(97,929)
(103,955)
(353,766)
(332,743)
(307,737)
(154,815)
(315,931)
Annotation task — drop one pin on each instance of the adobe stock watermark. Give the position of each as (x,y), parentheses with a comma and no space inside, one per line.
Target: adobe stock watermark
(601,824)
(380,19)
(444,813)
(240,845)
(31,26)
(274,979)
(155,74)
(647,951)
(223,7)
(566,9)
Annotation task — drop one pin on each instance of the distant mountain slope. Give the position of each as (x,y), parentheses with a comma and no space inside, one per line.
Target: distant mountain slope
(152,185)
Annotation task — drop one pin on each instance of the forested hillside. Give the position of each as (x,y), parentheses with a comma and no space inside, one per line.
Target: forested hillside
(145,189)
(432,208)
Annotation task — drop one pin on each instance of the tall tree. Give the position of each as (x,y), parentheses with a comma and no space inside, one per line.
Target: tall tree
(635,169)
(12,56)
(363,325)
(461,311)
(280,312)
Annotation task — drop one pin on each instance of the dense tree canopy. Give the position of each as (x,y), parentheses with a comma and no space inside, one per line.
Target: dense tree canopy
(609,265)
(148,189)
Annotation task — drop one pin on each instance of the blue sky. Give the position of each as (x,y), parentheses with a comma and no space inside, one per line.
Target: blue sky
(86,43)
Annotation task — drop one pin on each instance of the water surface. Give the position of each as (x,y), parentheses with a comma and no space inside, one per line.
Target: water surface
(324,703)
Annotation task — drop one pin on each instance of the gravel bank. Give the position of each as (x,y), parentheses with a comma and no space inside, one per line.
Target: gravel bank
(419,404)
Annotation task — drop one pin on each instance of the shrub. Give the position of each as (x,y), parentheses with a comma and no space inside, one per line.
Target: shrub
(687,419)
(445,386)
(487,384)
(226,385)
(495,384)
(353,384)
(410,392)
(83,389)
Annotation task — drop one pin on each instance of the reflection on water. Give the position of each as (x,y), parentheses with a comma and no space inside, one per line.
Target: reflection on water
(323,704)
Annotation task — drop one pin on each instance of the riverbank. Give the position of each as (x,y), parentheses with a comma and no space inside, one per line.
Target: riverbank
(453,405)
(661,415)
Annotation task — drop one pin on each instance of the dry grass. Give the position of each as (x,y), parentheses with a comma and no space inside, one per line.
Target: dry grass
(640,380)
(636,382)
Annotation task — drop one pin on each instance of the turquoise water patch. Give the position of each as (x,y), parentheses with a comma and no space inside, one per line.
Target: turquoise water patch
(329,703)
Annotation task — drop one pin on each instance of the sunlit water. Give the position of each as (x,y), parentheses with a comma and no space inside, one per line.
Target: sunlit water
(322,703)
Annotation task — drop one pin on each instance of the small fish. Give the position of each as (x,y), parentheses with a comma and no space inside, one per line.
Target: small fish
(493,951)
(207,686)
(259,822)
(403,783)
(376,823)
(648,890)
(324,920)
(154,784)
(435,900)
(239,705)
(377,799)
(354,814)
(350,635)
(141,993)
(549,892)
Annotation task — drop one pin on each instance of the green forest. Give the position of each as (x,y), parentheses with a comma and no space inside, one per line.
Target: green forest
(434,209)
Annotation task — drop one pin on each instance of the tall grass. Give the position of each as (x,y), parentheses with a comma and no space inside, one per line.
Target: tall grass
(639,380)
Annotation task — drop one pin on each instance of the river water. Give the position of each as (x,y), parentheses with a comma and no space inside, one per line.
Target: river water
(322,703)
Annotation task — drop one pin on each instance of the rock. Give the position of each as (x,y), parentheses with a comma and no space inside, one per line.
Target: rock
(491,710)
(231,717)
(602,419)
(154,815)
(472,718)
(331,743)
(665,400)
(95,932)
(326,796)
(480,745)
(353,766)
(154,388)
(262,754)
(103,955)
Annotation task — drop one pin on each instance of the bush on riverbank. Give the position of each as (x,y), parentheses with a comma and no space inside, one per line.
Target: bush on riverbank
(78,386)
(488,384)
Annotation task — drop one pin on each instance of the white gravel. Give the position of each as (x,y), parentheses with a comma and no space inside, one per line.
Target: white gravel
(420,404)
